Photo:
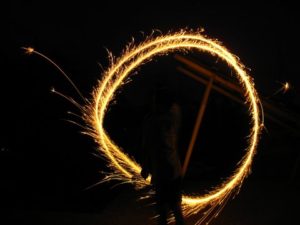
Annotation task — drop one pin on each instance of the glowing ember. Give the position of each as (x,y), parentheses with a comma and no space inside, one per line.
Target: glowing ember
(28,50)
(286,87)
(125,168)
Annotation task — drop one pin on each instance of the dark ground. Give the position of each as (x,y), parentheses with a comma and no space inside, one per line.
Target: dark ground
(259,202)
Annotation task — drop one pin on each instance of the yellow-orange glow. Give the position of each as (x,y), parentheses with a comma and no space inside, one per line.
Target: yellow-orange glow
(124,167)
(28,50)
(286,86)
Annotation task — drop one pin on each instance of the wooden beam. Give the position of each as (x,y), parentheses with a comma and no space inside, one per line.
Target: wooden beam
(209,74)
(197,125)
(205,82)
(273,110)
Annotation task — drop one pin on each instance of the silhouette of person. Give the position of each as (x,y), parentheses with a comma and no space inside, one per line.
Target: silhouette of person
(161,159)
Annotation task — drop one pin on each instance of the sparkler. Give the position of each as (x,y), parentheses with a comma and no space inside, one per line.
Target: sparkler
(127,169)
(285,87)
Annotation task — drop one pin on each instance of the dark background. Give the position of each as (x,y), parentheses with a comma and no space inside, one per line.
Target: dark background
(45,161)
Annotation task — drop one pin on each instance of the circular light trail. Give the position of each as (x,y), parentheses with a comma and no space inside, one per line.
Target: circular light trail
(127,169)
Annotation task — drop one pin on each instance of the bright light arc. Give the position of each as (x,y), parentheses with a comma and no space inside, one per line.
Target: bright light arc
(125,168)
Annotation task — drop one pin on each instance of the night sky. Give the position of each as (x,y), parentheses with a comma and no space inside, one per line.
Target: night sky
(46,162)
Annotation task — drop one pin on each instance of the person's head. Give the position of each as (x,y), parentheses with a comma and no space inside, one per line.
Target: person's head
(162,98)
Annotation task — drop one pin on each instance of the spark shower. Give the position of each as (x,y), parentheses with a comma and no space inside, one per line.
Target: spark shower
(126,169)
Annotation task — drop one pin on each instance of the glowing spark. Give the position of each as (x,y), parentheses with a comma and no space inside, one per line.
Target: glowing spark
(125,168)
(286,87)
(30,50)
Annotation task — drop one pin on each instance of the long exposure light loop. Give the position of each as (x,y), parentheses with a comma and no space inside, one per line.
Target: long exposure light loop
(124,167)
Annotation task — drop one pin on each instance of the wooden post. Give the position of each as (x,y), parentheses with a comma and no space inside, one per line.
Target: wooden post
(273,110)
(197,125)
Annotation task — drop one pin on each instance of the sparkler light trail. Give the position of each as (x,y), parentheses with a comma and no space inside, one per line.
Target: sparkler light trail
(127,169)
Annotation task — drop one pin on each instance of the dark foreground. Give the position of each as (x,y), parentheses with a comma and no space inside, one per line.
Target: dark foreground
(262,202)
